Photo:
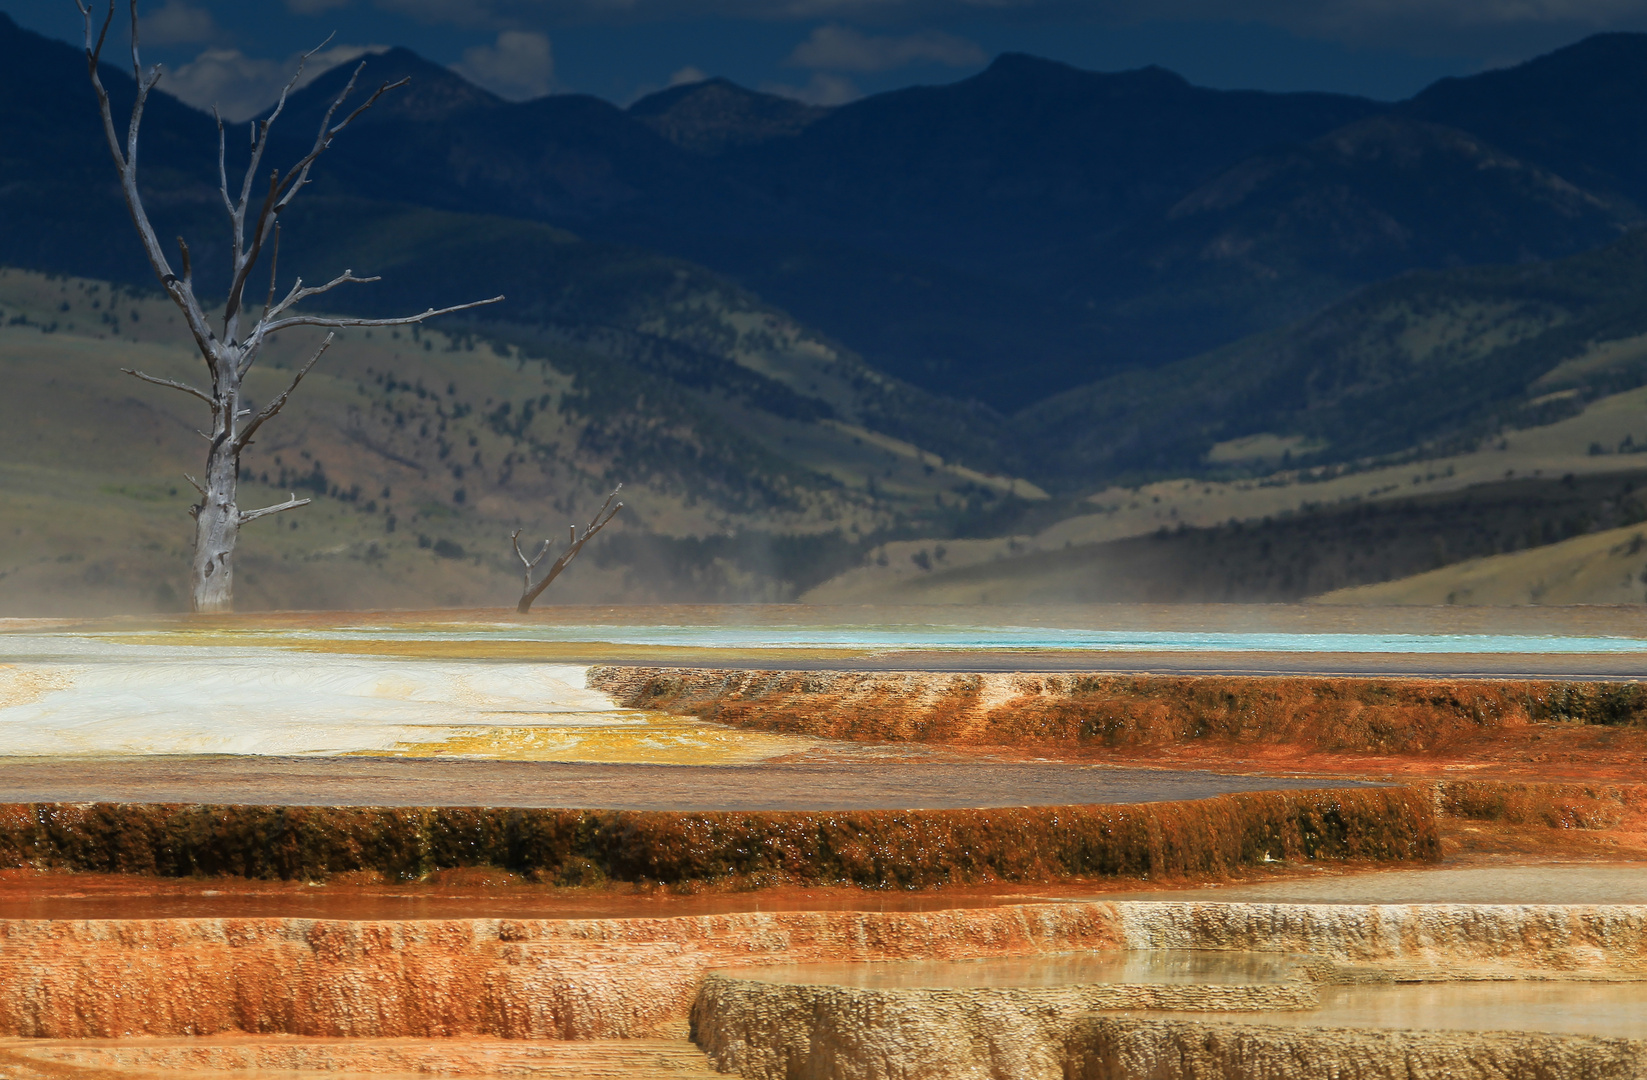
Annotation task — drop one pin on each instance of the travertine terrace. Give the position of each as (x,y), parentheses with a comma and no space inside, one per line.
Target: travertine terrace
(642,978)
(624,933)
(1524,727)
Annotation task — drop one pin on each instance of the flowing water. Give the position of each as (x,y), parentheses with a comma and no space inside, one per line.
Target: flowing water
(1606,1009)
(1129,967)
(1598,1008)
(1613,883)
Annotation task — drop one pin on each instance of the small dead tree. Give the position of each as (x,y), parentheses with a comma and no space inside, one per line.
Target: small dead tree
(574,544)
(230,354)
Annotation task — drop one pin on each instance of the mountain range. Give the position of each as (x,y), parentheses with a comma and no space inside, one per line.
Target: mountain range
(1001,239)
(1080,223)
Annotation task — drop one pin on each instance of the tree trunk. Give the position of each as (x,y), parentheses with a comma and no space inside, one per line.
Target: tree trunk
(217,527)
(230,354)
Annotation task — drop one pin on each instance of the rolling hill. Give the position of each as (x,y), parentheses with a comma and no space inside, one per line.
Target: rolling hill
(1418,365)
(1291,534)
(423,449)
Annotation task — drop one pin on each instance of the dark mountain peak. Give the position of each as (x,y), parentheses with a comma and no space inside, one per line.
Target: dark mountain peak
(713,115)
(1578,111)
(661,102)
(1025,68)
(434,95)
(1600,62)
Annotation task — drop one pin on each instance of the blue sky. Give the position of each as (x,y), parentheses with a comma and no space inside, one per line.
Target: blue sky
(234,52)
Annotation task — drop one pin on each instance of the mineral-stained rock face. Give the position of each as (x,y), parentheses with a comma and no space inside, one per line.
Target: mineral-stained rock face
(1423,940)
(772,1030)
(577,979)
(1390,715)
(1132,1048)
(877,848)
(626,978)
(126,1059)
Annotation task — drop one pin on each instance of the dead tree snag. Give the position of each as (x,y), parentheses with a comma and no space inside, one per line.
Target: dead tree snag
(574,544)
(231,352)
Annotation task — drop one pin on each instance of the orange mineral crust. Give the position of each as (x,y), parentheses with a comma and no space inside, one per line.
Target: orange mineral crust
(1323,725)
(637,978)
(523,979)
(874,848)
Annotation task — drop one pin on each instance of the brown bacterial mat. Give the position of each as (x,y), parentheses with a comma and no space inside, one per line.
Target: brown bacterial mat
(352,781)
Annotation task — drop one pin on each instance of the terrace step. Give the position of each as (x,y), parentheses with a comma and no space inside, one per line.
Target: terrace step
(225,1057)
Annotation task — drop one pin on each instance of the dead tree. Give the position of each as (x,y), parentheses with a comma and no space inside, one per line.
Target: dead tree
(231,352)
(574,544)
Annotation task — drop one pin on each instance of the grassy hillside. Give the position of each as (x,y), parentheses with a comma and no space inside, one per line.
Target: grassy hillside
(1297,533)
(1283,560)
(1602,568)
(665,316)
(1420,366)
(422,449)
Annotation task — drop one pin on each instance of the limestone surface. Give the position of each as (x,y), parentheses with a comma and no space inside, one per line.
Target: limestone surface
(630,978)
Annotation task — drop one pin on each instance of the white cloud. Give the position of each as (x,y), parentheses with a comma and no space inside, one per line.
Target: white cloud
(686,75)
(821,89)
(841,48)
(519,66)
(242,86)
(176,23)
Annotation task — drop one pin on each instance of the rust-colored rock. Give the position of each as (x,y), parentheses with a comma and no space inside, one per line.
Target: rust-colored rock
(1328,724)
(1130,1048)
(519,979)
(874,848)
(124,1059)
(629,978)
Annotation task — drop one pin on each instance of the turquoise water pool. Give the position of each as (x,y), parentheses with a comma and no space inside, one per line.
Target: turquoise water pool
(900,638)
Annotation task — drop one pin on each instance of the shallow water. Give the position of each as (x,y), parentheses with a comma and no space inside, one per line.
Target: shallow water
(873,637)
(1617,1010)
(1547,884)
(1138,966)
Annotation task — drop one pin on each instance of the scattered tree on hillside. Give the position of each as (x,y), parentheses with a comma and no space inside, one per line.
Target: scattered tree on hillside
(230,354)
(574,544)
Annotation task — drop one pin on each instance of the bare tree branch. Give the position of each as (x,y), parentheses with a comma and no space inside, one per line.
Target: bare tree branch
(274,266)
(603,517)
(185,387)
(245,261)
(530,564)
(260,142)
(298,293)
(222,169)
(290,504)
(283,190)
(195,484)
(279,403)
(125,161)
(534,560)
(407,320)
